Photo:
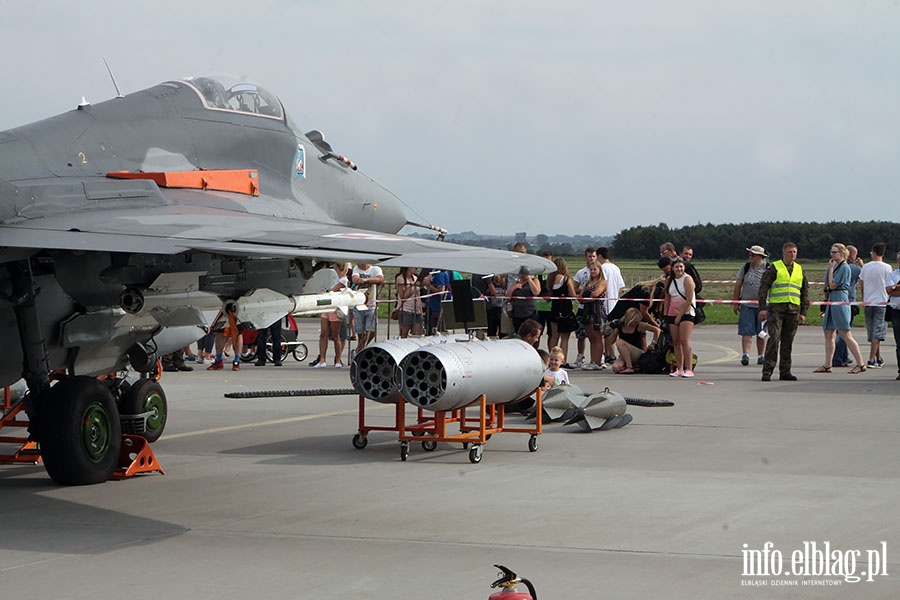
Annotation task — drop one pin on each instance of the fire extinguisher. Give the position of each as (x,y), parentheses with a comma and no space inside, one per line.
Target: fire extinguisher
(507,583)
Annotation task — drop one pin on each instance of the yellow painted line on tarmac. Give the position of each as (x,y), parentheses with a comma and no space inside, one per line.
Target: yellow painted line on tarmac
(730,355)
(734,355)
(176,436)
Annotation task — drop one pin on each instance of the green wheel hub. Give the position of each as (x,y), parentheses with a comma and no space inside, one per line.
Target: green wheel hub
(96,432)
(157,404)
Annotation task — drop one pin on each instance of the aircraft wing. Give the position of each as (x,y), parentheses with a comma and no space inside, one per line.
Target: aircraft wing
(137,217)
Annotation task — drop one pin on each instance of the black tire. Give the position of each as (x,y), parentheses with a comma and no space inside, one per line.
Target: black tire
(475,454)
(144,396)
(429,445)
(248,353)
(80,432)
(533,443)
(404,451)
(360,441)
(300,352)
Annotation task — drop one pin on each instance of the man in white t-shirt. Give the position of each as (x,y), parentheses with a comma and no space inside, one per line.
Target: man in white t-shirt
(873,279)
(365,321)
(615,287)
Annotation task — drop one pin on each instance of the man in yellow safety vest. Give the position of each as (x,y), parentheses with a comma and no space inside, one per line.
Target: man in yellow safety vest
(785,287)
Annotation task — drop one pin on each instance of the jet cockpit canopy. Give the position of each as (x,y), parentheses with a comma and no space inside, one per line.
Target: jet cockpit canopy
(241,97)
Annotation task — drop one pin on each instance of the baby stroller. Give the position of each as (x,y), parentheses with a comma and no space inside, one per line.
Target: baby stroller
(289,343)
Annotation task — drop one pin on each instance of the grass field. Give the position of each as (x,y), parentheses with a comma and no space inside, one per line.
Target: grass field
(634,271)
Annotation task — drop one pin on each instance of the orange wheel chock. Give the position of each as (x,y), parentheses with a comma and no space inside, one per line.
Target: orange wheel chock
(136,457)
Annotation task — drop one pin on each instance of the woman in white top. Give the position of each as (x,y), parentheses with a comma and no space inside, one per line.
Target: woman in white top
(679,314)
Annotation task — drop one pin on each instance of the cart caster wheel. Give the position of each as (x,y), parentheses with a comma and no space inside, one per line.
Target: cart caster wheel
(533,443)
(475,454)
(404,451)
(360,441)
(465,445)
(417,433)
(429,445)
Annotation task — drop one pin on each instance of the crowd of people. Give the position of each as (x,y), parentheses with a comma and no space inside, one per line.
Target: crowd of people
(614,327)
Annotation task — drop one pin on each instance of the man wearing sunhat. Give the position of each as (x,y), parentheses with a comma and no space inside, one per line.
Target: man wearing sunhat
(746,288)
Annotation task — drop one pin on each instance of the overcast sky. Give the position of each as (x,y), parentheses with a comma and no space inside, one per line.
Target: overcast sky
(576,117)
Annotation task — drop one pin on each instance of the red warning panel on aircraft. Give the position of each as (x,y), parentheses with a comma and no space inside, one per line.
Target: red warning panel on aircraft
(242,181)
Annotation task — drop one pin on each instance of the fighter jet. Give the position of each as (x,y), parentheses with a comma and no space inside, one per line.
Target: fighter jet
(123,223)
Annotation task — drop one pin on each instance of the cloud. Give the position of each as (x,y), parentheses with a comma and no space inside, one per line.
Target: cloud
(525,114)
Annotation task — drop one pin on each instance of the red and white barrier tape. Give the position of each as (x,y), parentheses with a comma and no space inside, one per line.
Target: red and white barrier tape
(650,300)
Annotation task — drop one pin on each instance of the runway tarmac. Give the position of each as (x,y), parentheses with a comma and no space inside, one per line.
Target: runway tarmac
(267,498)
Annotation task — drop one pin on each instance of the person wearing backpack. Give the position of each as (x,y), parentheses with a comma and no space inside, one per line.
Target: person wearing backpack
(746,288)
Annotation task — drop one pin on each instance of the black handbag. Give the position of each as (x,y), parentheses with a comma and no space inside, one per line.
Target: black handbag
(699,314)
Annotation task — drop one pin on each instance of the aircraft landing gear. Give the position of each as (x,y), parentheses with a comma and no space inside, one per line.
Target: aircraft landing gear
(76,421)
(144,410)
(80,432)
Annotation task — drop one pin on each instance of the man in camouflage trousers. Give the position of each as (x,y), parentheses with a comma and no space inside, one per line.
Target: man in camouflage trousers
(783,302)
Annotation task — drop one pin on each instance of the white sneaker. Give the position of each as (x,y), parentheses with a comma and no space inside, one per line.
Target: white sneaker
(591,367)
(319,365)
(338,366)
(677,373)
(579,360)
(604,365)
(688,373)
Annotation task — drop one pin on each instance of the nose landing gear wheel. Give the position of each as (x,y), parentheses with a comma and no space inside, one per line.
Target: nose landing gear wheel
(146,396)
(475,454)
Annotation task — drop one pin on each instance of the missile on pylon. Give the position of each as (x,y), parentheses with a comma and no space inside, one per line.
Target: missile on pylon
(449,376)
(262,307)
(602,411)
(374,372)
(343,301)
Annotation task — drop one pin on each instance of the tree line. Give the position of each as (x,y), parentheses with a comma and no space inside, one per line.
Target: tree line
(729,241)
